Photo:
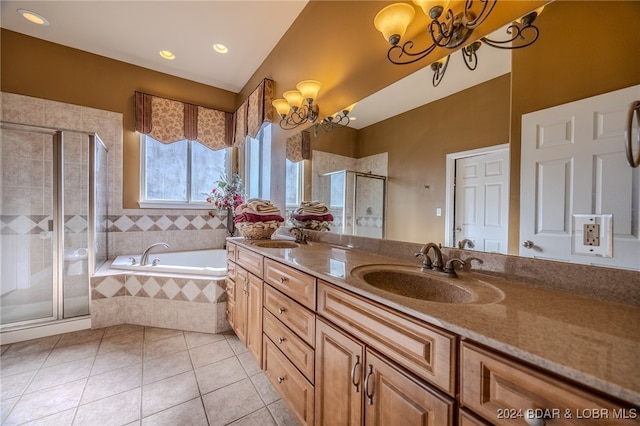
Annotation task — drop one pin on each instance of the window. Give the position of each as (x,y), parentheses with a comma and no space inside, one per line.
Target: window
(293,186)
(178,174)
(257,154)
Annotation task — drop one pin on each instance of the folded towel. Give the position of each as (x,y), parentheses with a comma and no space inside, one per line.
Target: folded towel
(312,207)
(322,218)
(252,217)
(257,206)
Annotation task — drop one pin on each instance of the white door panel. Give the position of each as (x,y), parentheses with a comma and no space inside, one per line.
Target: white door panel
(573,162)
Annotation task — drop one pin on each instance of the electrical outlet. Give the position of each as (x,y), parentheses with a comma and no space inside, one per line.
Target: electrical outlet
(592,235)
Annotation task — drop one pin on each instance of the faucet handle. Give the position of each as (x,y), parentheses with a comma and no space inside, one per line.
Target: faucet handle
(450,269)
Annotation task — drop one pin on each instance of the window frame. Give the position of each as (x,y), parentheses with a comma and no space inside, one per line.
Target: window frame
(160,204)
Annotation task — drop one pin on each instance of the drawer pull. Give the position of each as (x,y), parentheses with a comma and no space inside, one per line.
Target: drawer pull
(532,420)
(353,374)
(280,379)
(281,340)
(283,279)
(366,385)
(281,311)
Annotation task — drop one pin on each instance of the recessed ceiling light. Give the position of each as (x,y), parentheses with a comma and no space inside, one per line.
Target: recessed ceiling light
(220,48)
(33,17)
(167,55)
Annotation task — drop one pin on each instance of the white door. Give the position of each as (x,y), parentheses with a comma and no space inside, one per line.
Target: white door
(482,200)
(573,163)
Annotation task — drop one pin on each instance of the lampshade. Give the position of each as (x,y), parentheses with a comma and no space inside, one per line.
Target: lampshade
(394,19)
(531,15)
(281,105)
(294,98)
(309,88)
(427,5)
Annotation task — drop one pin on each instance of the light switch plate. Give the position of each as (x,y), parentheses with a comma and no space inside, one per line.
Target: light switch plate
(592,235)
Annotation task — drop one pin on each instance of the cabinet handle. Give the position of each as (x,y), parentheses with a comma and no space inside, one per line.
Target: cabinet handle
(281,310)
(353,374)
(366,385)
(281,340)
(531,419)
(283,279)
(280,379)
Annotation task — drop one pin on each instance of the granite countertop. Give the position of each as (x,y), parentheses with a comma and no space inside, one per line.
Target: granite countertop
(590,341)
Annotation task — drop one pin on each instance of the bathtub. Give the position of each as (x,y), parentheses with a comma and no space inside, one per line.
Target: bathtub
(212,263)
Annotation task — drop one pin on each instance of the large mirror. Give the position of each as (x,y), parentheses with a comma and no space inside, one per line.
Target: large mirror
(473,110)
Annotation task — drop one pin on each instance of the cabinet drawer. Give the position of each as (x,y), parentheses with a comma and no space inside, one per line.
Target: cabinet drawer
(231,270)
(249,260)
(467,419)
(297,318)
(231,251)
(295,390)
(230,289)
(299,286)
(501,391)
(299,353)
(423,350)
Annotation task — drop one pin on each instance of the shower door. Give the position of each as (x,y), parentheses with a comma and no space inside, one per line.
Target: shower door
(44,212)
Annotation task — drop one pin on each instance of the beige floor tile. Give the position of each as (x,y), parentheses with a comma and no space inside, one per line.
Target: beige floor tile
(154,333)
(131,339)
(118,330)
(210,353)
(30,347)
(61,373)
(249,363)
(166,366)
(282,414)
(114,360)
(237,346)
(168,393)
(195,339)
(264,388)
(189,413)
(22,364)
(219,374)
(115,410)
(261,417)
(72,352)
(44,403)
(64,418)
(231,402)
(112,382)
(80,337)
(5,407)
(167,346)
(14,385)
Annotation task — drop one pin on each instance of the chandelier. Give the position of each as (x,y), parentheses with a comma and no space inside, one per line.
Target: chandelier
(452,24)
(298,107)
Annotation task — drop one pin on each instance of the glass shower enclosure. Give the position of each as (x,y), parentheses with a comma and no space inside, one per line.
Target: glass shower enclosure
(357,202)
(53,211)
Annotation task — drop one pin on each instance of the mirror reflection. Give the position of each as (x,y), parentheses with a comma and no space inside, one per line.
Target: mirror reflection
(425,145)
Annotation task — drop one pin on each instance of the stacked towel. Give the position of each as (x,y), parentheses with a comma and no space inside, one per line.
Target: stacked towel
(312,210)
(257,210)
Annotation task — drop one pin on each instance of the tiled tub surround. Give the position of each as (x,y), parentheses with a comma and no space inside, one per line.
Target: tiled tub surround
(579,322)
(189,303)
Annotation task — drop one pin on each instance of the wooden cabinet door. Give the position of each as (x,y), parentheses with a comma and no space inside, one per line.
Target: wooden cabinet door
(254,317)
(240,308)
(339,361)
(395,398)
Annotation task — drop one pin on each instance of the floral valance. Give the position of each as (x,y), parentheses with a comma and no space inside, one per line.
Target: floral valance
(168,121)
(299,146)
(254,111)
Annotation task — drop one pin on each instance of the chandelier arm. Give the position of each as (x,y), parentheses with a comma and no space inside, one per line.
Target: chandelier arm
(516,32)
(395,53)
(470,57)
(438,72)
(487,8)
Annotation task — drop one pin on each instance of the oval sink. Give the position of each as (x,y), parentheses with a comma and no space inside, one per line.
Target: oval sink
(411,282)
(275,244)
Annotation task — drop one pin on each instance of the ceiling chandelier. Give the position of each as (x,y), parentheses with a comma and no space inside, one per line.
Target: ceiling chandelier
(298,107)
(452,24)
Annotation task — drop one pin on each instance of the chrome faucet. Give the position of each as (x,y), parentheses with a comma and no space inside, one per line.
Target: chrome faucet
(301,237)
(466,242)
(437,263)
(144,260)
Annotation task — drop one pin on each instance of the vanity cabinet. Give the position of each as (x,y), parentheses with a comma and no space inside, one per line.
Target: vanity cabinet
(357,386)
(502,390)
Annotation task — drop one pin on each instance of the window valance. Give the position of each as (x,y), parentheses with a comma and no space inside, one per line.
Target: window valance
(254,112)
(168,121)
(299,146)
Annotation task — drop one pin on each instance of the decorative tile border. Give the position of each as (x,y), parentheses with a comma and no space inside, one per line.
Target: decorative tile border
(180,222)
(36,224)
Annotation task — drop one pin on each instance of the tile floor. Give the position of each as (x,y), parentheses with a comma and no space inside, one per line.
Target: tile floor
(134,375)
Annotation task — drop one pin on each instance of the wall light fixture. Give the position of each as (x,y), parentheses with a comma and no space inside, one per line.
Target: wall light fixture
(452,24)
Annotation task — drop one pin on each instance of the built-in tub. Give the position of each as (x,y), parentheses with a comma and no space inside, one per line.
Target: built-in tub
(198,262)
